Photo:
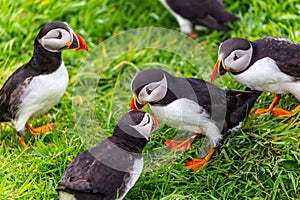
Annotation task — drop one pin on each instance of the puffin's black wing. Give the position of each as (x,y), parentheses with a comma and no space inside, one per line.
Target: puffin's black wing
(209,13)
(239,104)
(231,105)
(11,91)
(209,96)
(285,53)
(87,173)
(219,12)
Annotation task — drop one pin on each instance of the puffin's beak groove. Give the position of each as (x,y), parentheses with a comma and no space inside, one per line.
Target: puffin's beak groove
(78,42)
(156,124)
(219,70)
(136,104)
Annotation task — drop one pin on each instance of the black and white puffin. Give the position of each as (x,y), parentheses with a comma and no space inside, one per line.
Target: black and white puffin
(38,85)
(192,14)
(192,105)
(110,170)
(269,64)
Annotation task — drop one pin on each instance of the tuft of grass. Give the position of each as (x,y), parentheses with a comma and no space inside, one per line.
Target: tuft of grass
(261,161)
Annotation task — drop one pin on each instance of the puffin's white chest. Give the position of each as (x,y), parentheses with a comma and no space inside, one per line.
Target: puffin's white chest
(264,75)
(186,115)
(44,92)
(134,176)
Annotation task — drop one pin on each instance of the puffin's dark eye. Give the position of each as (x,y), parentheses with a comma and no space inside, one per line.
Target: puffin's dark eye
(59,36)
(148,91)
(235,57)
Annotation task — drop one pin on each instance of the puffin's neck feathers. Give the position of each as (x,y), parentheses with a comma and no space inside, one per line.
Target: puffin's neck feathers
(43,61)
(131,142)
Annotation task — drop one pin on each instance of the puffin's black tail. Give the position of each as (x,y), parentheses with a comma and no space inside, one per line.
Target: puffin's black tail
(239,104)
(220,13)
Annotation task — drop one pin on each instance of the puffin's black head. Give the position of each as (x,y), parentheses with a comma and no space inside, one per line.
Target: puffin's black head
(58,36)
(234,55)
(137,124)
(148,86)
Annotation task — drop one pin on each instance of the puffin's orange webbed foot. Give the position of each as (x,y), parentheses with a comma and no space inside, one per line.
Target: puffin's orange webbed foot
(278,112)
(271,107)
(193,35)
(195,164)
(261,111)
(179,145)
(42,129)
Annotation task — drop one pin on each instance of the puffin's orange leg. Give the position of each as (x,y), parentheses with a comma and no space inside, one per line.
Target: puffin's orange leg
(193,35)
(181,145)
(278,112)
(272,105)
(22,141)
(42,129)
(196,163)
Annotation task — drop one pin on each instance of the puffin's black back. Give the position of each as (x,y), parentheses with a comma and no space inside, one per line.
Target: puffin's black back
(209,13)
(286,53)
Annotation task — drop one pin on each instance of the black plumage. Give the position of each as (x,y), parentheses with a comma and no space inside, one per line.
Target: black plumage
(285,52)
(107,171)
(208,13)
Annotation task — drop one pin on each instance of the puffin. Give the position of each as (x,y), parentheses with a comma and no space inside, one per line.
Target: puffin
(191,14)
(268,64)
(191,105)
(109,170)
(35,87)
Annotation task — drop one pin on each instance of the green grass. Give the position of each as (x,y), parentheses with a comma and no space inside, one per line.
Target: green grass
(259,162)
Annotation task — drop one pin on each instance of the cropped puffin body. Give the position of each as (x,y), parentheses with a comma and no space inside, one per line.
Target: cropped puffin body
(38,85)
(192,14)
(268,64)
(109,170)
(191,105)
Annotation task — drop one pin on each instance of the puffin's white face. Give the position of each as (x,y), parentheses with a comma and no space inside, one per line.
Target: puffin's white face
(153,92)
(146,126)
(238,60)
(57,40)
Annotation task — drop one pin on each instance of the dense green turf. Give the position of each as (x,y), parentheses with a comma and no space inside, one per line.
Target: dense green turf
(259,162)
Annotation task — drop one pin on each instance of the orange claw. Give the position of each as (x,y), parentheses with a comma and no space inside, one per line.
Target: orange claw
(42,129)
(179,145)
(271,107)
(278,112)
(197,163)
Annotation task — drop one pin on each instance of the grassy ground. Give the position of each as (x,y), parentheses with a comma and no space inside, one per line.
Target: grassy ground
(259,162)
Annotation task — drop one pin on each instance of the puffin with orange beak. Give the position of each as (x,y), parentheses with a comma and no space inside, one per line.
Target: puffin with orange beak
(269,64)
(38,85)
(192,105)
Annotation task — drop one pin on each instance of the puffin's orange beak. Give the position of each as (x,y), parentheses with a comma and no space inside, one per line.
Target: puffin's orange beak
(135,104)
(78,42)
(219,70)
